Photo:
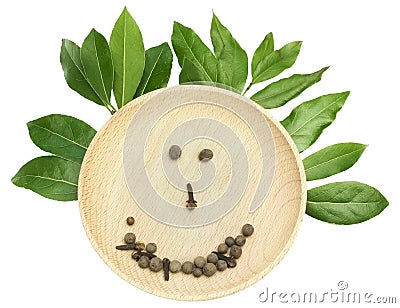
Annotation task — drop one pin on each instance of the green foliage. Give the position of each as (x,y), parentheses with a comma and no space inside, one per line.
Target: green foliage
(345,203)
(124,67)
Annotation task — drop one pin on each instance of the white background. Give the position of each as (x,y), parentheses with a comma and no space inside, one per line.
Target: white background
(46,259)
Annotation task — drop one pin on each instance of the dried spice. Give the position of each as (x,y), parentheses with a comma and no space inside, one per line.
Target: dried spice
(130,221)
(175,266)
(235,251)
(240,240)
(206,154)
(209,269)
(221,265)
(130,238)
(222,248)
(230,241)
(187,267)
(166,262)
(190,203)
(212,258)
(247,230)
(200,261)
(175,152)
(156,264)
(215,261)
(151,247)
(144,262)
(197,272)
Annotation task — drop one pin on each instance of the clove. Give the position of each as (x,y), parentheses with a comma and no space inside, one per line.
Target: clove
(190,203)
(166,262)
(136,246)
(126,247)
(136,256)
(231,262)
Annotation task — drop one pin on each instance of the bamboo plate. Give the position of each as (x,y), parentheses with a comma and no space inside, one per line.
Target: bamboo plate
(127,172)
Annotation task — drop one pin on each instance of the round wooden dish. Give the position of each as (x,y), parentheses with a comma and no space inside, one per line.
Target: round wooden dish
(105,199)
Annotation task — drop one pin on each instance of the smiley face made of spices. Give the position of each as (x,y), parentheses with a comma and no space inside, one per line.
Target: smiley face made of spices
(255,176)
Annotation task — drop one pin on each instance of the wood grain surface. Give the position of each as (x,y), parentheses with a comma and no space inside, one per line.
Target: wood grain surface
(105,201)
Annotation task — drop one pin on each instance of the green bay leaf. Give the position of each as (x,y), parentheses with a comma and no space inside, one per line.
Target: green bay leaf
(190,73)
(265,49)
(157,69)
(282,91)
(97,64)
(345,203)
(307,121)
(276,62)
(332,160)
(230,54)
(62,135)
(188,45)
(74,74)
(127,49)
(51,177)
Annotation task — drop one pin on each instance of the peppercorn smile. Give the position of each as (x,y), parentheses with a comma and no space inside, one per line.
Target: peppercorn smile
(215,261)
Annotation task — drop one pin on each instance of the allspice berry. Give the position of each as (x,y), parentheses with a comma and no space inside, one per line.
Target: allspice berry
(144,262)
(130,238)
(222,265)
(130,220)
(230,241)
(197,272)
(156,264)
(200,261)
(240,240)
(187,267)
(235,251)
(206,154)
(175,152)
(247,230)
(222,248)
(151,247)
(209,269)
(212,258)
(175,266)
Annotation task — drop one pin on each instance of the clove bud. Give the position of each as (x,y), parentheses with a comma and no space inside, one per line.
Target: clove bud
(166,262)
(231,262)
(136,255)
